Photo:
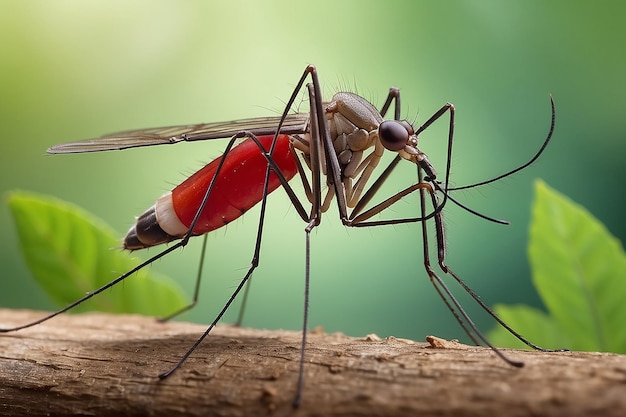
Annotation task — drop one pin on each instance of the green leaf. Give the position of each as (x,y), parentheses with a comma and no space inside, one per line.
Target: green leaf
(579,270)
(70,253)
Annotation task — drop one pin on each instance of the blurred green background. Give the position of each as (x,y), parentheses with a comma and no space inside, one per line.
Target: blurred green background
(76,69)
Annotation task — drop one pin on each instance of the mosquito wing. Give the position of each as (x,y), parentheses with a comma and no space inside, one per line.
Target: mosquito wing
(293,124)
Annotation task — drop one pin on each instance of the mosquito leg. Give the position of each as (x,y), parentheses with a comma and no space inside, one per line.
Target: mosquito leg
(295,201)
(431,273)
(394,94)
(257,247)
(254,263)
(305,318)
(450,307)
(358,218)
(442,289)
(244,303)
(318,127)
(196,290)
(302,173)
(213,324)
(453,305)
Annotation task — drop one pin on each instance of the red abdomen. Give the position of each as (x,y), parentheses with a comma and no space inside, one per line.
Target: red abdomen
(239,186)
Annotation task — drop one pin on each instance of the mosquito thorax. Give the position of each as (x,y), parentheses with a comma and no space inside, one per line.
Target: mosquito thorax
(356,125)
(358,111)
(352,124)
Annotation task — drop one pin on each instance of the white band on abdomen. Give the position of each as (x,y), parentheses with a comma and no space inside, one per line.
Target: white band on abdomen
(167,217)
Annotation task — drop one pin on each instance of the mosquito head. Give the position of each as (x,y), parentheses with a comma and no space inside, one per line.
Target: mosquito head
(399,136)
(395,135)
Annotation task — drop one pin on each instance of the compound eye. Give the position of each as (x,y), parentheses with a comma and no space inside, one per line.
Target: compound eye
(393,135)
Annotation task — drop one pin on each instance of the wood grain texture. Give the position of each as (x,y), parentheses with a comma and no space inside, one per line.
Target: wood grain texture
(106,365)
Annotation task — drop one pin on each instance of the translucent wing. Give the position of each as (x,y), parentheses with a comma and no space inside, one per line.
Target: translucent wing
(293,124)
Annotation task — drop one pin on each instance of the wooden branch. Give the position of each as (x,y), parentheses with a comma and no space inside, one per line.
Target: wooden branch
(105,365)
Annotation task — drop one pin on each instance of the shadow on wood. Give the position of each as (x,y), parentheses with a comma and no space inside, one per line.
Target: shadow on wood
(107,365)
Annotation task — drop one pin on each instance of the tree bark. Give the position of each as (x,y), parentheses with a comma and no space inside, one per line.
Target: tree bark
(107,365)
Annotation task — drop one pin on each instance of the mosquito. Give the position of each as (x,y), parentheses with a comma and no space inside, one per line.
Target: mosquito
(334,150)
